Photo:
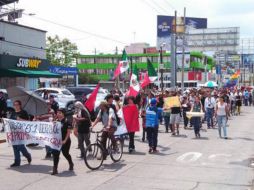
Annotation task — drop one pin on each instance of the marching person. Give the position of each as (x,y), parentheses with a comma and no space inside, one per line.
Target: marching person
(186,108)
(53,103)
(166,113)
(20,114)
(210,104)
(196,121)
(175,117)
(66,142)
(222,114)
(3,107)
(83,124)
(152,124)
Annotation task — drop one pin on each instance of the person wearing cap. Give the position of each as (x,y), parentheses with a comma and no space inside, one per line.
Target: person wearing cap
(66,142)
(152,124)
(54,104)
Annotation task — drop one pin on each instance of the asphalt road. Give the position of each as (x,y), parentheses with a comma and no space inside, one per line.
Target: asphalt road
(183,163)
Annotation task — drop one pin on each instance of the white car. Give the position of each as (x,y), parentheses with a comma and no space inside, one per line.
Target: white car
(63,96)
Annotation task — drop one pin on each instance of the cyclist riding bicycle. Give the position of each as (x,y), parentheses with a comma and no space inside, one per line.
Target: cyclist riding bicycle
(108,118)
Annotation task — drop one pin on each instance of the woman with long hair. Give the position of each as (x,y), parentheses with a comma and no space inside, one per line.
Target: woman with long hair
(66,142)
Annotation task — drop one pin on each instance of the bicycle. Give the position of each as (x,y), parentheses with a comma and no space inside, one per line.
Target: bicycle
(94,153)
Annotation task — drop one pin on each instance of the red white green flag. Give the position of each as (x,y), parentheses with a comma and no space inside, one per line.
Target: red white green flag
(123,65)
(150,76)
(134,84)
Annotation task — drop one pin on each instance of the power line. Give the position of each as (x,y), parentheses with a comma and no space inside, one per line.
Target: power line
(160,7)
(170,5)
(151,6)
(76,29)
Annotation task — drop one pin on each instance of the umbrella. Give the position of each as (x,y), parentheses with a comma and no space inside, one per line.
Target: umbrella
(32,103)
(210,84)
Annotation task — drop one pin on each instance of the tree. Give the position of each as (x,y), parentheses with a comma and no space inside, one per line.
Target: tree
(61,52)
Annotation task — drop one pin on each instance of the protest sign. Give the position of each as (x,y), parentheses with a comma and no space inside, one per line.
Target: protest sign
(28,132)
(171,102)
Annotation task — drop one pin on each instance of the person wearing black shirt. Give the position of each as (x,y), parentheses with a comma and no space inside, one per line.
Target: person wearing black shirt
(175,117)
(66,142)
(3,105)
(19,114)
(83,123)
(54,104)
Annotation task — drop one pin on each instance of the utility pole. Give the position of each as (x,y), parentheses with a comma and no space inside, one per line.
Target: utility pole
(95,52)
(173,55)
(183,53)
(117,84)
(161,68)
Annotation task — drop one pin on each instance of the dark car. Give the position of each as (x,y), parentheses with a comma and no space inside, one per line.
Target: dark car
(80,92)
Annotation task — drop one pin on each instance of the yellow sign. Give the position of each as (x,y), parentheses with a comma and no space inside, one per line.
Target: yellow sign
(29,63)
(171,102)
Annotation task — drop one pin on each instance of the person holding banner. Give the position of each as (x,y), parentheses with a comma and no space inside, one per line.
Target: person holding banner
(152,124)
(19,114)
(66,142)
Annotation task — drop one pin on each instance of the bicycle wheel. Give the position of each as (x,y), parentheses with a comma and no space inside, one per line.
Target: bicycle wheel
(116,151)
(93,156)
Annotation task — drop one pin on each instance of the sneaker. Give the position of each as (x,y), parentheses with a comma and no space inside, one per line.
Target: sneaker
(155,150)
(48,155)
(14,165)
(225,137)
(150,150)
(29,160)
(71,167)
(80,156)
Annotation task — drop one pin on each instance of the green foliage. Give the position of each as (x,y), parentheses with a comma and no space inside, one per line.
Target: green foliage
(61,52)
(88,79)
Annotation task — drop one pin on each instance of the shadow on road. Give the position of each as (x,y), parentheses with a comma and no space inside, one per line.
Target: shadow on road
(243,138)
(179,136)
(136,153)
(32,169)
(66,174)
(113,167)
(201,138)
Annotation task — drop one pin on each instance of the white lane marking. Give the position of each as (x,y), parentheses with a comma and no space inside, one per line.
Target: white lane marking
(189,157)
(215,156)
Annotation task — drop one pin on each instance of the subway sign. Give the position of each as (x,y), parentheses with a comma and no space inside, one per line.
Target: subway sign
(28,63)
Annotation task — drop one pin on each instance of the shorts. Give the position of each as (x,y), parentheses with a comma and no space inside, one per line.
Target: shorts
(175,119)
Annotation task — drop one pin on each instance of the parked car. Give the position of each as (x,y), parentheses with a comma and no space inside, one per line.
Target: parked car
(63,96)
(79,92)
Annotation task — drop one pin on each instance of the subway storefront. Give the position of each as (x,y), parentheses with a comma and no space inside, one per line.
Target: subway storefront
(23,71)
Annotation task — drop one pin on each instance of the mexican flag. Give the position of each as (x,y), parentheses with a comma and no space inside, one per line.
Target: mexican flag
(134,84)
(123,65)
(150,76)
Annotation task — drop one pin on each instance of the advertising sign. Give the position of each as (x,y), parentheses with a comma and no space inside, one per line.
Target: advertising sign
(179,60)
(165,26)
(248,60)
(63,70)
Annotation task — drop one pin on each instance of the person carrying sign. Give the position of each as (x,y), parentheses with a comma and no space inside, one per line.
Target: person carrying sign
(66,142)
(19,114)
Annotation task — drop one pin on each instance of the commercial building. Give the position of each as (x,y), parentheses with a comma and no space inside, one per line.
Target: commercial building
(22,56)
(102,66)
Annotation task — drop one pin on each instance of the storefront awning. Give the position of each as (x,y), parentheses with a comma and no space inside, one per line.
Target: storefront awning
(27,73)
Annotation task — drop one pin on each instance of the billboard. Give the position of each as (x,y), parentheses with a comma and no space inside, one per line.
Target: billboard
(165,26)
(247,60)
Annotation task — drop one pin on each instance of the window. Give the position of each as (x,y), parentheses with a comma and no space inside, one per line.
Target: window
(66,92)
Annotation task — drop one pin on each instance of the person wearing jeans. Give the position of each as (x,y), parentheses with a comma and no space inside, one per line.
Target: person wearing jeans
(197,107)
(221,114)
(210,104)
(152,123)
(19,114)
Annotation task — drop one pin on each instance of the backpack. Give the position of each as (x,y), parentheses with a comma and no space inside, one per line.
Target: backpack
(114,108)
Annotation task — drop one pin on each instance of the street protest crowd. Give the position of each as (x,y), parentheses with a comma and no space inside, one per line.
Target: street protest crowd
(196,109)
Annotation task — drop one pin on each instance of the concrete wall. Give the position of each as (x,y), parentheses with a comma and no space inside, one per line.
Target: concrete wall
(22,41)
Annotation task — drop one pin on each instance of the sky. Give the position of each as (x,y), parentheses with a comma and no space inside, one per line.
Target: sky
(106,24)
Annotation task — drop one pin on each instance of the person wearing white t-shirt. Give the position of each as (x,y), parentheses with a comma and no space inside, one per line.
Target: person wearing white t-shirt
(210,104)
(221,113)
